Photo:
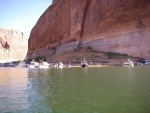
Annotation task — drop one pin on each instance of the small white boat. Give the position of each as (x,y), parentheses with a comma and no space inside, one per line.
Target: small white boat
(84,63)
(34,64)
(147,62)
(59,65)
(144,62)
(44,65)
(31,66)
(69,65)
(139,64)
(128,63)
(22,65)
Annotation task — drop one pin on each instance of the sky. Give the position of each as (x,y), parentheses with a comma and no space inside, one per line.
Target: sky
(21,15)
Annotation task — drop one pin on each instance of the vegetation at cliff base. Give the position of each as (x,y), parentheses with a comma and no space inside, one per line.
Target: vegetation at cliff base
(111,55)
(37,59)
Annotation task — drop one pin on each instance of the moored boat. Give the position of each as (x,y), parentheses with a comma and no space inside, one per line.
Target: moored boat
(128,63)
(44,65)
(84,63)
(34,64)
(144,62)
(59,65)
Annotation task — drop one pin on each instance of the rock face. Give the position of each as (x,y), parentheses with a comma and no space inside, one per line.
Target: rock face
(121,26)
(13,46)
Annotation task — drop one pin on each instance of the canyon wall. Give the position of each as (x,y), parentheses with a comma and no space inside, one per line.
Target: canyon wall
(120,26)
(13,45)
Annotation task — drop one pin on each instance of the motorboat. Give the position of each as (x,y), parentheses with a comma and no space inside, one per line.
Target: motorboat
(139,64)
(144,62)
(59,65)
(128,63)
(84,63)
(69,65)
(147,62)
(44,65)
(34,64)
(21,65)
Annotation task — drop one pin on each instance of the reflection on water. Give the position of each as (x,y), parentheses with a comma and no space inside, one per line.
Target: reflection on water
(75,90)
(13,86)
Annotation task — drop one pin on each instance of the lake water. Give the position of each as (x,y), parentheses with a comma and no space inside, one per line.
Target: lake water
(75,90)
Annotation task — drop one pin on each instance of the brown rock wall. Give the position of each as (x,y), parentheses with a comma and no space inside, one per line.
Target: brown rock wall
(13,45)
(122,25)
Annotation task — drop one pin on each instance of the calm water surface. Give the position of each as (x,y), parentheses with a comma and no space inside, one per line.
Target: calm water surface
(75,90)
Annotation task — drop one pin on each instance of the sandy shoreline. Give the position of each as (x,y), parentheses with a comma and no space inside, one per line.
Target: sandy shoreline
(89,66)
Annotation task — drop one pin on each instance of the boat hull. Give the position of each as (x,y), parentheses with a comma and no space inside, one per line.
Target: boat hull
(84,65)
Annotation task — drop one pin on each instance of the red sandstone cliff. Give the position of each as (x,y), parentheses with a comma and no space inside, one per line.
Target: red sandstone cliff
(13,45)
(121,26)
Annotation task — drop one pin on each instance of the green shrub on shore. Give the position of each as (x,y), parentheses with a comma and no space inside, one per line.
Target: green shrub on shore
(111,55)
(38,58)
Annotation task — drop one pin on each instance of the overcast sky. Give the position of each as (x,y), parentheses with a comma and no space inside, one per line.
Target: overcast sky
(21,15)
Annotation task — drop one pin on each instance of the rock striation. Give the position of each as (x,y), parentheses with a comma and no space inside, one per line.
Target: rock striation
(120,26)
(13,45)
